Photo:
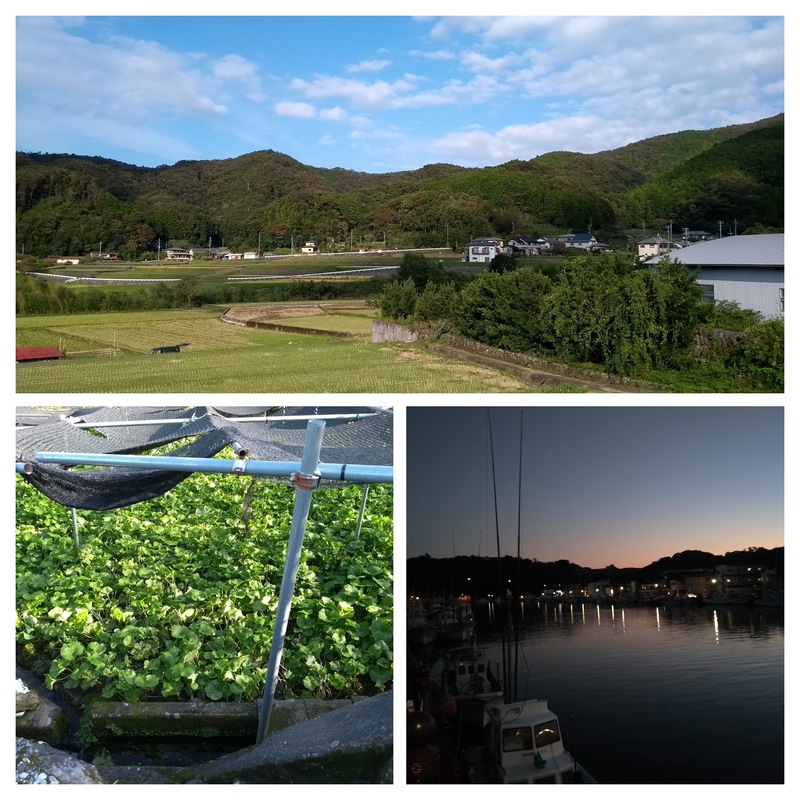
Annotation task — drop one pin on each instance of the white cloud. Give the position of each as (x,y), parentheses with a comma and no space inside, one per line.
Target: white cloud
(479,147)
(127,79)
(234,68)
(477,62)
(401,94)
(368,66)
(359,93)
(433,55)
(335,114)
(287,108)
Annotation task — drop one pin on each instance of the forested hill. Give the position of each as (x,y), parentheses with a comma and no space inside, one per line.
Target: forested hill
(448,576)
(68,204)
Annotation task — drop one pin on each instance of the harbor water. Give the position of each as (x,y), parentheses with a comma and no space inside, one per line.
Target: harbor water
(653,695)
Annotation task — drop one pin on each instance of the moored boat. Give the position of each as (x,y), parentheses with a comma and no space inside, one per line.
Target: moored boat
(467,676)
(524,745)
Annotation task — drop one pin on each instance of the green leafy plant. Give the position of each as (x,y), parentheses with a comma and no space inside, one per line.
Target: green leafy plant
(175,598)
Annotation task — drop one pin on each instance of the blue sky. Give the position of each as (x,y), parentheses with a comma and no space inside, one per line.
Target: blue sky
(383,93)
(600,485)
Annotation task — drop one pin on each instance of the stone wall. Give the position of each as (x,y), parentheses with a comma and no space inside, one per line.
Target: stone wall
(391,332)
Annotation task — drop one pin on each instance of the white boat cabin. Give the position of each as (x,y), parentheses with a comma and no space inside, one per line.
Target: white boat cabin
(526,746)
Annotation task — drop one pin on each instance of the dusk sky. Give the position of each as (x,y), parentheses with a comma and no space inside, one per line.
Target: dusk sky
(383,93)
(600,486)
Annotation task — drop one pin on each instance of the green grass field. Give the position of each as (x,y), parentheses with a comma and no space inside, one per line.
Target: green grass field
(228,358)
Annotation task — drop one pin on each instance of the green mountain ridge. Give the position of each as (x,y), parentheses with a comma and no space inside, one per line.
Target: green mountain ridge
(68,204)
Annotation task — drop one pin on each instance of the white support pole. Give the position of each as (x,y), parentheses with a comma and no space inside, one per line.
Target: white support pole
(305,480)
(361,511)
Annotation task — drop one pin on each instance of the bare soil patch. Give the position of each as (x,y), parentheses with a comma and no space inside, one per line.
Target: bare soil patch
(270,312)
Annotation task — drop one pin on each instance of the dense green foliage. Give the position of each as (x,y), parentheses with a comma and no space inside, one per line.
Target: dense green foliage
(42,297)
(607,310)
(74,205)
(176,597)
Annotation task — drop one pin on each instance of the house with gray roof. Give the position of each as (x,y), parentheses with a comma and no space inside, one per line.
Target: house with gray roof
(484,250)
(524,245)
(747,270)
(656,246)
(582,241)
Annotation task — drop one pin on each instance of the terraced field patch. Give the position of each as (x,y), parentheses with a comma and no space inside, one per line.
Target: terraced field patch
(230,358)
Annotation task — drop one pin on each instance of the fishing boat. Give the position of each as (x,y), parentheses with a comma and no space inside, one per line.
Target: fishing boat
(467,676)
(421,631)
(524,745)
(452,619)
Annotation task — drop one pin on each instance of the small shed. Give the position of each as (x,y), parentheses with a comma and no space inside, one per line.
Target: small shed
(38,354)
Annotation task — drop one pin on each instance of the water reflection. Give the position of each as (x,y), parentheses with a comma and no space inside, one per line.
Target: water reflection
(532,616)
(703,684)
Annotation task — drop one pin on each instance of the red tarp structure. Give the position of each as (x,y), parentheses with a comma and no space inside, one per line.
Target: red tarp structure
(37,353)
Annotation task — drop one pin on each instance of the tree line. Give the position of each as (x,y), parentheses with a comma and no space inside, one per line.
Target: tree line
(443,577)
(34,296)
(605,310)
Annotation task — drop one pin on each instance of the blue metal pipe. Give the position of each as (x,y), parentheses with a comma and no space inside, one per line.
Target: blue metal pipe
(354,473)
(308,469)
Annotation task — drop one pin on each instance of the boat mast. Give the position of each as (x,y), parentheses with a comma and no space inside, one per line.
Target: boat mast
(500,596)
(519,558)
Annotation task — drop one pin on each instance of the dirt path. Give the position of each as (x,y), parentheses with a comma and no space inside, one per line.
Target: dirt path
(537,376)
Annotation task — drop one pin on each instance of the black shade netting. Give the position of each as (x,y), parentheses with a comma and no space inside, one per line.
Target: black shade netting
(354,436)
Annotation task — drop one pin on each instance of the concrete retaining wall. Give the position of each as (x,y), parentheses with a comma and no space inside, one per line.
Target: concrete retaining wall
(391,332)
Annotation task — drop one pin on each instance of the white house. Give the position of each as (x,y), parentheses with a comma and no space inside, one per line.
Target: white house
(310,248)
(656,247)
(747,270)
(484,250)
(177,254)
(580,241)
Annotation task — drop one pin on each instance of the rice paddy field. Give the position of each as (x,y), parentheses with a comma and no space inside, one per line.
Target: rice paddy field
(221,357)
